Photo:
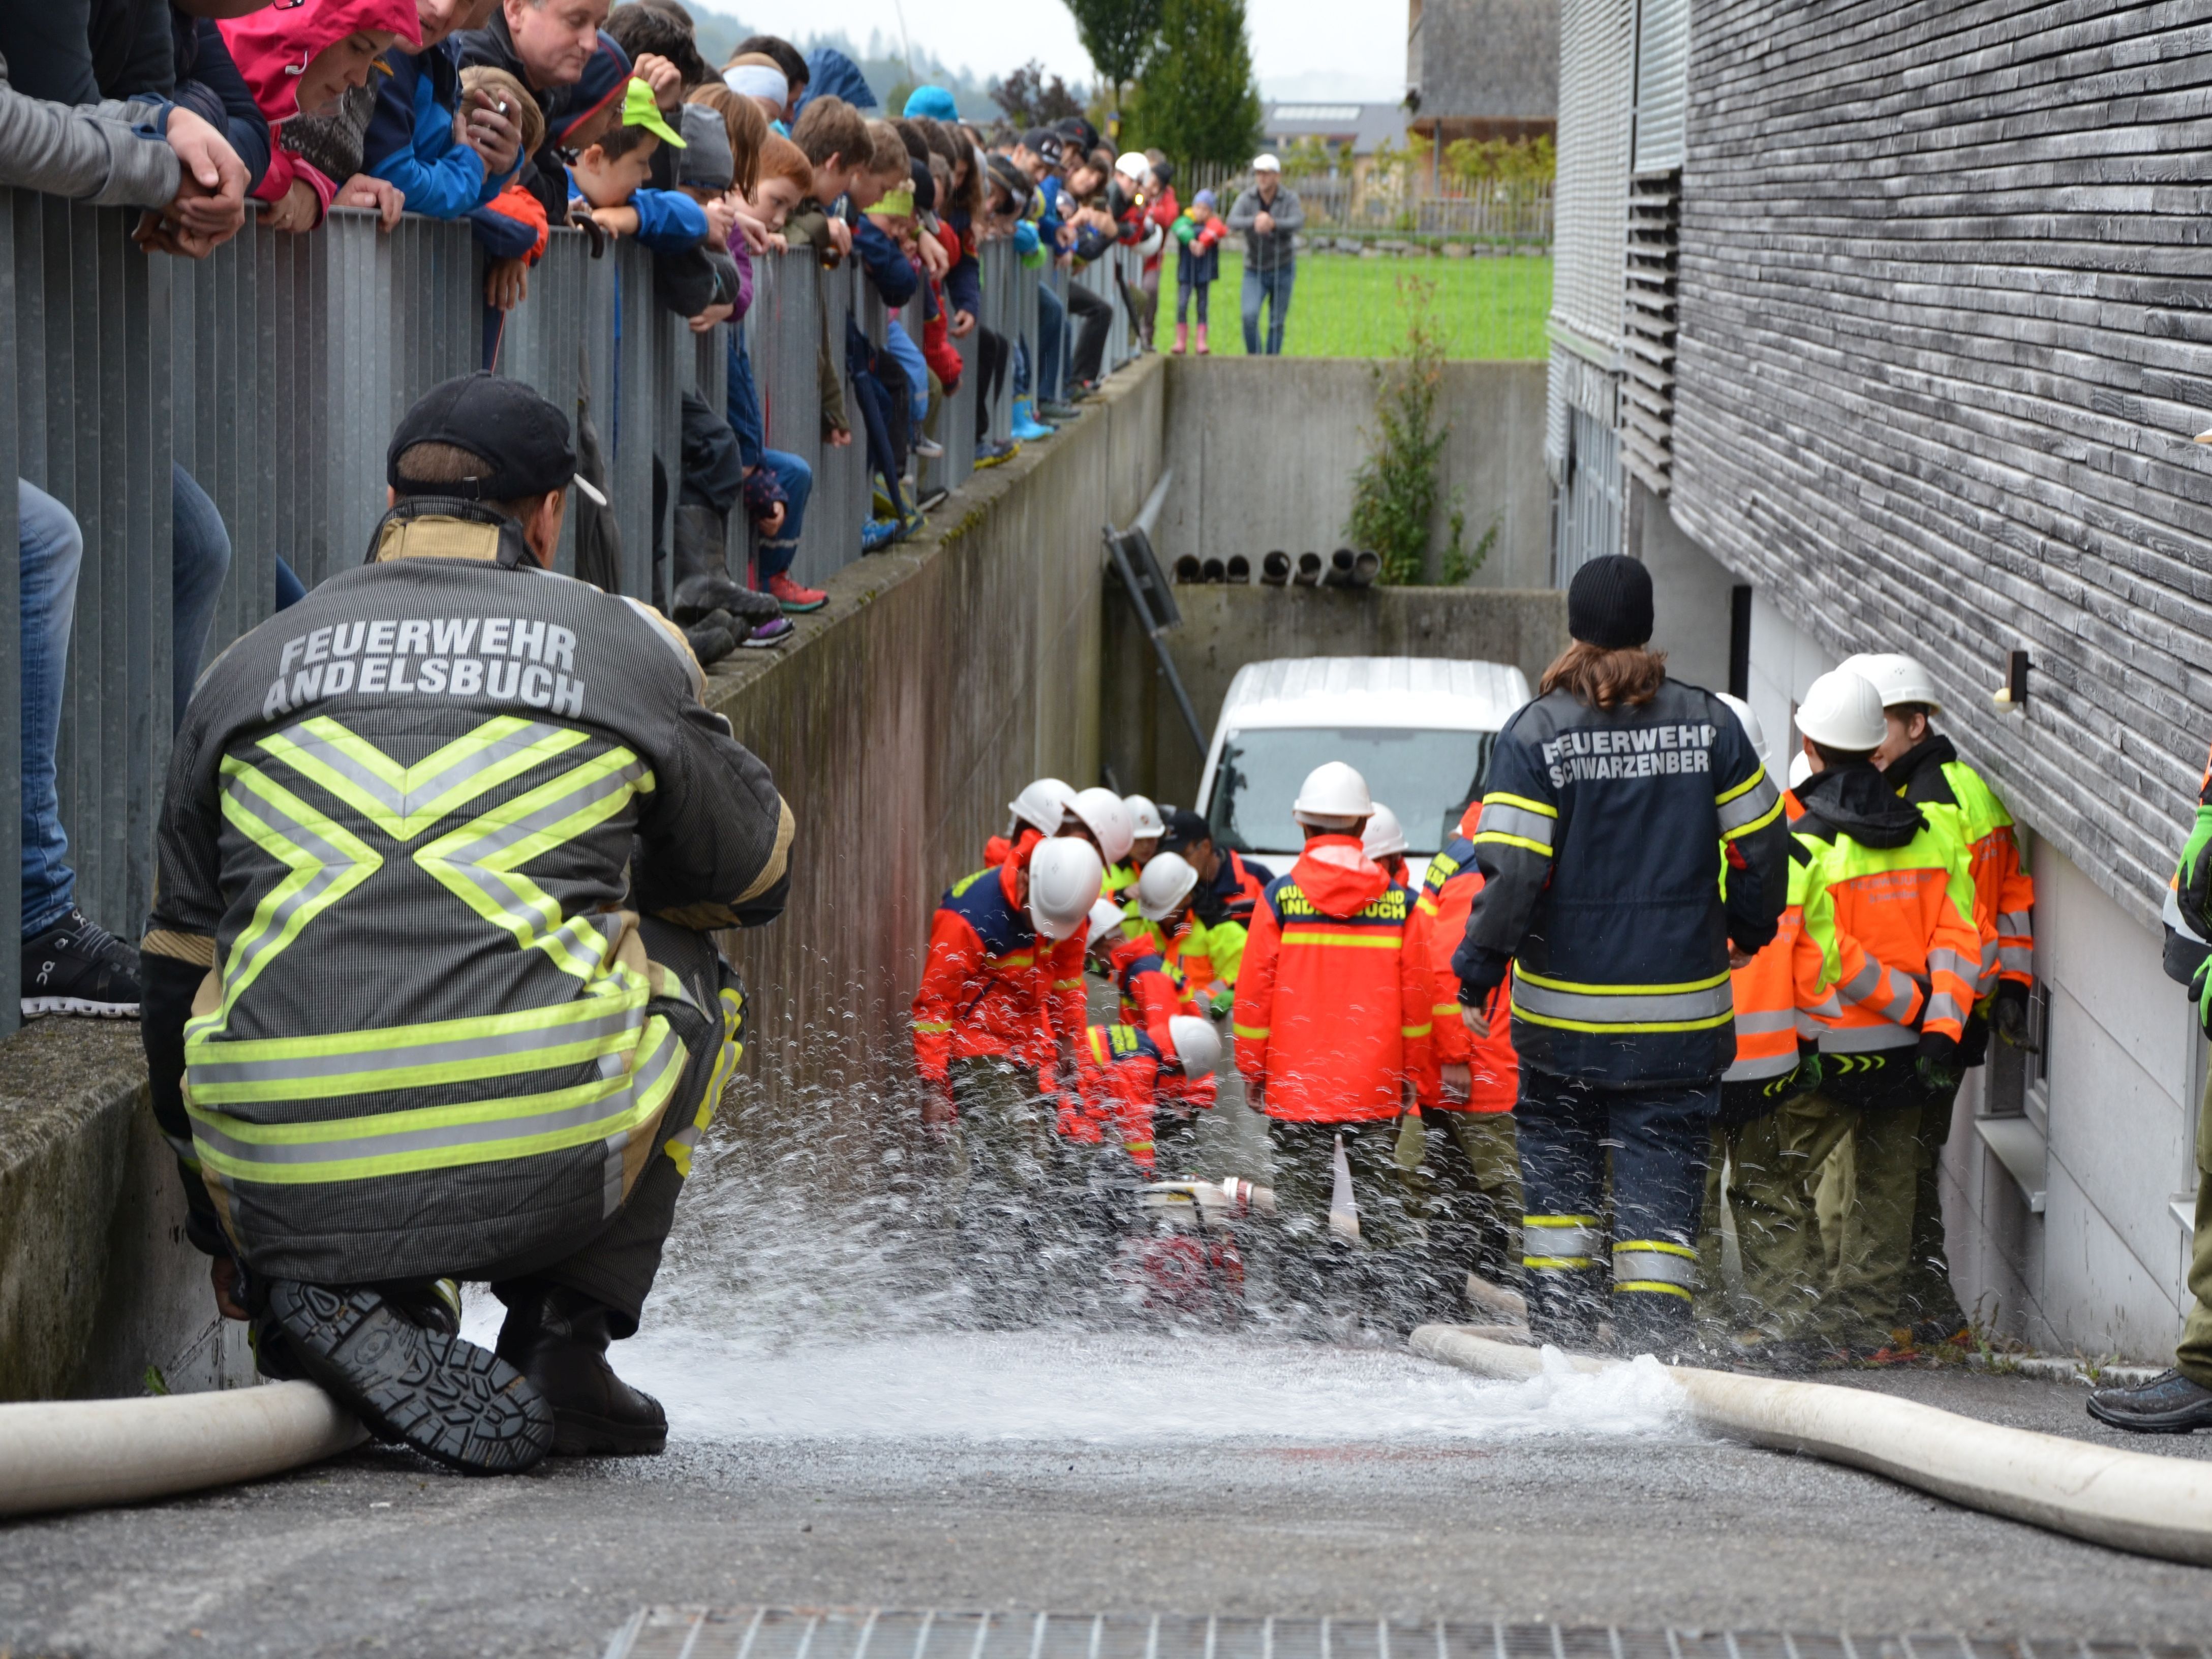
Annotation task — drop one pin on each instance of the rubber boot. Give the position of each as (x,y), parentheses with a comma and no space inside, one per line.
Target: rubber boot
(416,1385)
(558,1338)
(1183,337)
(703,585)
(1026,428)
(1203,350)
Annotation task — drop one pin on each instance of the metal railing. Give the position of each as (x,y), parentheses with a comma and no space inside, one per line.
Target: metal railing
(273,373)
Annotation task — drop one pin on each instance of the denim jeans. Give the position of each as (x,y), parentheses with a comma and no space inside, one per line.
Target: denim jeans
(290,590)
(744,409)
(51,550)
(797,479)
(1273,286)
(901,345)
(1052,329)
(199,560)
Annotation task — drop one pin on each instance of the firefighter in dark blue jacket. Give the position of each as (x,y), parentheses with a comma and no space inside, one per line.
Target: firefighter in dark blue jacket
(1612,802)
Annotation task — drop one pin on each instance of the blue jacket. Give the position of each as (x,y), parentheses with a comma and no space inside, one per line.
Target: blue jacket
(889,271)
(411,142)
(963,283)
(831,74)
(1601,848)
(668,220)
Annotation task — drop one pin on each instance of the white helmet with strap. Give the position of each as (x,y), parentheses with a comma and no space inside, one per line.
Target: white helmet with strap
(1106,918)
(1065,876)
(1197,1044)
(1107,819)
(1043,804)
(1384,836)
(1145,816)
(1333,793)
(1166,883)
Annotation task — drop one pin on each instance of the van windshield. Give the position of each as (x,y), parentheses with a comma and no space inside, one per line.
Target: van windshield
(1425,777)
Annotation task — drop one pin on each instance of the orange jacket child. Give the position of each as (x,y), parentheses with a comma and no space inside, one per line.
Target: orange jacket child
(1152,994)
(1447,896)
(1117,1070)
(1332,1015)
(980,991)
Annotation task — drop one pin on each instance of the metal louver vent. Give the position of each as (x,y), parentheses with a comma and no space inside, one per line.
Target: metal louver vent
(1662,84)
(1647,343)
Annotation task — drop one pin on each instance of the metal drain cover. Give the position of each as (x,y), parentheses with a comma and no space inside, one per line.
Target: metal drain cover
(863,1633)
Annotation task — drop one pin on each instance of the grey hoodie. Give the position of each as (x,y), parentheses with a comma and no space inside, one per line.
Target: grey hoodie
(1272,249)
(108,154)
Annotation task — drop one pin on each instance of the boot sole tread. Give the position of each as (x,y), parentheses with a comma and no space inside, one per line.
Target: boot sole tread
(454,1402)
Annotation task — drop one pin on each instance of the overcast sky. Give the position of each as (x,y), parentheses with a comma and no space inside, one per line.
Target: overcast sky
(1302,48)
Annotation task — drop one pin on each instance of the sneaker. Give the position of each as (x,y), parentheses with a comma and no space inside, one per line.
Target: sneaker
(1057,412)
(929,449)
(914,524)
(792,596)
(78,967)
(878,534)
(990,453)
(2168,1404)
(419,1386)
(769,635)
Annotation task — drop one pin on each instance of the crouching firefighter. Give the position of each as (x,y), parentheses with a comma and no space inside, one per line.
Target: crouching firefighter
(1608,802)
(429,989)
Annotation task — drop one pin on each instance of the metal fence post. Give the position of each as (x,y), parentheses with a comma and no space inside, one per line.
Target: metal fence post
(11,659)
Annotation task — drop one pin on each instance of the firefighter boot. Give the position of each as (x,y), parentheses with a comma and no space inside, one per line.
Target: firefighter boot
(2169,1403)
(412,1382)
(703,577)
(558,1339)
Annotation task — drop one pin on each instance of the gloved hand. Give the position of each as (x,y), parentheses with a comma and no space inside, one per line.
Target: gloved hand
(2193,875)
(1806,1080)
(2009,1014)
(2201,988)
(1938,1064)
(1222,1002)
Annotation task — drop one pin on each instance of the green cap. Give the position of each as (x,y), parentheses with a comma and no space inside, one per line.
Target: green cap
(639,109)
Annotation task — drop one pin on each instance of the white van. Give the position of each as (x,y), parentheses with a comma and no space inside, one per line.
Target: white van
(1419,729)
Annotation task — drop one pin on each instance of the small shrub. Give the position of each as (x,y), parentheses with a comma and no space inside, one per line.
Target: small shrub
(1395,491)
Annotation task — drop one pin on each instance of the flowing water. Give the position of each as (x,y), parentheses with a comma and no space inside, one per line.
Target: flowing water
(791,1307)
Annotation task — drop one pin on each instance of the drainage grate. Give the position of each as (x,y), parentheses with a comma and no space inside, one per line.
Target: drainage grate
(861,1634)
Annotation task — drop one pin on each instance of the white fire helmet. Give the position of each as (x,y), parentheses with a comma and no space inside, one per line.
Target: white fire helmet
(1384,836)
(1106,918)
(1197,1044)
(1144,816)
(1065,876)
(1898,678)
(1043,804)
(1332,794)
(1842,710)
(1166,881)
(1106,817)
(1752,728)
(1801,767)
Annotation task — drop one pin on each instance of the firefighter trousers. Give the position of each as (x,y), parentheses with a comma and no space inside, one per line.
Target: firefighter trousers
(1928,1298)
(1657,1136)
(2192,1355)
(1777,1243)
(616,1265)
(1880,1129)
(1468,1188)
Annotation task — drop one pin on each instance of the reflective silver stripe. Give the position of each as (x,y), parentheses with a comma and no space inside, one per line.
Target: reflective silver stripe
(1556,1235)
(1637,1258)
(2018,924)
(433,787)
(1942,958)
(2171,917)
(2016,958)
(1757,1024)
(1942,1006)
(1625,1008)
(334,867)
(1899,1007)
(1746,809)
(444,1136)
(365,1064)
(1500,819)
(1752,1071)
(1863,984)
(1867,1039)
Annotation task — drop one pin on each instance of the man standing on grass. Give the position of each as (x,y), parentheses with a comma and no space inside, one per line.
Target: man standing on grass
(1270,218)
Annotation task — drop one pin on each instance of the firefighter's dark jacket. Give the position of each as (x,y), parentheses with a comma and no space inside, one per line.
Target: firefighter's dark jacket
(1602,843)
(398,1016)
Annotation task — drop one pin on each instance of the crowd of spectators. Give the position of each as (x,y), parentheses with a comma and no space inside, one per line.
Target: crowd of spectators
(521,117)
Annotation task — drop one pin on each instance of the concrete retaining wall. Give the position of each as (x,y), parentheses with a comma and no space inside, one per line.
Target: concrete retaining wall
(942,676)
(1145,739)
(1264,451)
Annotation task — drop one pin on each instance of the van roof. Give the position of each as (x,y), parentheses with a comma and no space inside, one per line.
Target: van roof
(1431,692)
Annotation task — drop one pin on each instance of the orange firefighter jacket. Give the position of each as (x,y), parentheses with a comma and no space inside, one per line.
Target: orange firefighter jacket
(1152,994)
(1494,1075)
(1333,1004)
(1768,1021)
(1118,1072)
(1931,774)
(981,993)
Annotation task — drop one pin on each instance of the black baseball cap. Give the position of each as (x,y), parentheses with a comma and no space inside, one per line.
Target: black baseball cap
(1043,142)
(1185,828)
(522,440)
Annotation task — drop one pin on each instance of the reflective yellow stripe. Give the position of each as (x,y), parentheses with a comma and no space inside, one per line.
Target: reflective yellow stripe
(933,1025)
(1558,1263)
(1757,777)
(1652,1285)
(1255,1033)
(1500,839)
(1449,1009)
(1522,801)
(1366,941)
(1411,1032)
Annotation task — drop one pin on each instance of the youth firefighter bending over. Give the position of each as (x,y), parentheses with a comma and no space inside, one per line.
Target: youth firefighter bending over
(428,989)
(1609,801)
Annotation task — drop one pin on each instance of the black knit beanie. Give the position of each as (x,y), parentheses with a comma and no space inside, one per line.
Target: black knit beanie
(1609,603)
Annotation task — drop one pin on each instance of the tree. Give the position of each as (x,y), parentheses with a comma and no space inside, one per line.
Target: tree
(1198,102)
(1031,100)
(1119,36)
(1394,491)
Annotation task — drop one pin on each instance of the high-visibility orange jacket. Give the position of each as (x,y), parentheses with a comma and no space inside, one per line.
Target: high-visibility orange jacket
(1931,774)
(1059,973)
(1494,1075)
(1117,1071)
(981,992)
(1768,1021)
(999,850)
(1152,994)
(1887,911)
(1332,1015)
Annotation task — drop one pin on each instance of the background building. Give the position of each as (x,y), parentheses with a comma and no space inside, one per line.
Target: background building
(1864,337)
(1482,68)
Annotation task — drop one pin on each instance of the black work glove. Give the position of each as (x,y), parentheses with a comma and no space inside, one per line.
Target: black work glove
(715,635)
(1938,1063)
(2009,1014)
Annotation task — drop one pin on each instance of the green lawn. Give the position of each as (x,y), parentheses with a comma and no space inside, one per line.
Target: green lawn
(1343,305)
